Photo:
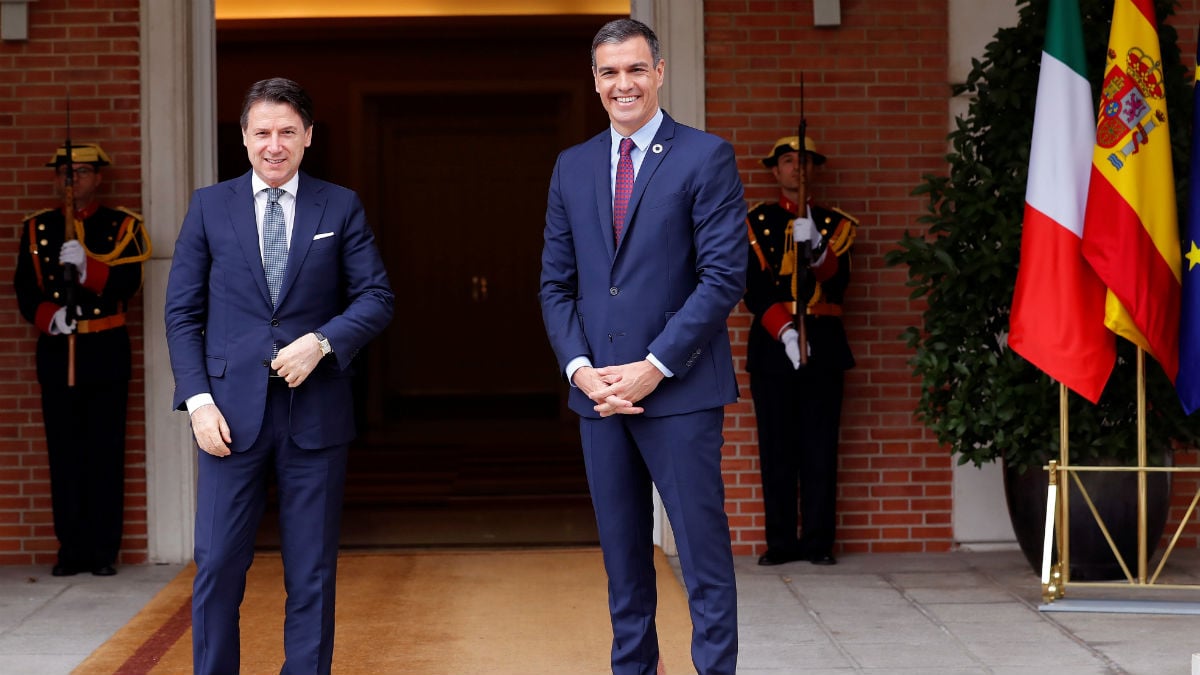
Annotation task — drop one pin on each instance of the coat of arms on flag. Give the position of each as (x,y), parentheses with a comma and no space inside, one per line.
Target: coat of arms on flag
(1125,105)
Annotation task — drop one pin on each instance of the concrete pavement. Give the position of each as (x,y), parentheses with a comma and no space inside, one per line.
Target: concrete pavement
(929,614)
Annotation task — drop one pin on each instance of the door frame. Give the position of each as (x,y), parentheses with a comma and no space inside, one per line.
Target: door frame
(178,113)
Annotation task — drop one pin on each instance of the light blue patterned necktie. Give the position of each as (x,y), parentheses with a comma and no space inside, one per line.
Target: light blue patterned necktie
(275,249)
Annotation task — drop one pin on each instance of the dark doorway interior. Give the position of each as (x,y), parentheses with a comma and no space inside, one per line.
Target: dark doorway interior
(448,129)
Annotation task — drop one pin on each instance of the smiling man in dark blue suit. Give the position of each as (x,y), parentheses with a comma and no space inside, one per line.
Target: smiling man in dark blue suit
(275,284)
(635,309)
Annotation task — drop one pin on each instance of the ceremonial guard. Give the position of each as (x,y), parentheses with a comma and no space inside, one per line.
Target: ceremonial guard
(74,280)
(797,367)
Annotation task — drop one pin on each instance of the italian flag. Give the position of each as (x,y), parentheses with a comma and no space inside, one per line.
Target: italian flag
(1131,230)
(1057,320)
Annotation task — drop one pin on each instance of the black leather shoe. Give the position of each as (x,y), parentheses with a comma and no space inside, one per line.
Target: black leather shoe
(823,559)
(62,570)
(778,557)
(104,571)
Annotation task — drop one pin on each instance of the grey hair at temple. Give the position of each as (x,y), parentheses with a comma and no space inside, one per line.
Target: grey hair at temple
(619,30)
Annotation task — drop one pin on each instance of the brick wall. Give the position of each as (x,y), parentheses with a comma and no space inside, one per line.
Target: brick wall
(876,102)
(89,48)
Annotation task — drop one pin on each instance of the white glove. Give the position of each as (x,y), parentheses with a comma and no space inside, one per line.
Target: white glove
(72,253)
(805,233)
(791,346)
(804,230)
(59,325)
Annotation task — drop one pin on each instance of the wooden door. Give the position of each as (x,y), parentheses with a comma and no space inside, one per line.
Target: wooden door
(460,200)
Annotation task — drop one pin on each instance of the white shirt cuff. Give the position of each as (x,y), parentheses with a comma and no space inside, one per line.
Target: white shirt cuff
(658,364)
(197,401)
(574,365)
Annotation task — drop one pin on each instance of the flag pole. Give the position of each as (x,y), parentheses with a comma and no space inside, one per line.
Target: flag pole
(1141,462)
(1064,461)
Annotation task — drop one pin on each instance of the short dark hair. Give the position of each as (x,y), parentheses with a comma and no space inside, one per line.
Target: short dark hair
(278,90)
(619,30)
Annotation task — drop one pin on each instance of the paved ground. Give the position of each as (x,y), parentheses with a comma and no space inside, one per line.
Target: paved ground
(927,614)
(952,613)
(49,625)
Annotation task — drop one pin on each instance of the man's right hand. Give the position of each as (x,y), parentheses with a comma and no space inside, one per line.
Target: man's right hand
(588,380)
(791,345)
(211,430)
(71,253)
(805,233)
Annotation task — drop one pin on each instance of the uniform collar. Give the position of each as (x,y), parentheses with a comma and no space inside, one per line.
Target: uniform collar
(87,211)
(788,205)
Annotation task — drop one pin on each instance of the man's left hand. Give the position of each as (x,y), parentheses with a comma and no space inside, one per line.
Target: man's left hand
(628,384)
(297,360)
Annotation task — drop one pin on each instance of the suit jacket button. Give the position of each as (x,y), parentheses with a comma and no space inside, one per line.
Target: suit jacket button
(614,290)
(274,322)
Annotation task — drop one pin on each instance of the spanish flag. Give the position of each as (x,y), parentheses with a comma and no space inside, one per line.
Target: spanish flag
(1057,320)
(1131,230)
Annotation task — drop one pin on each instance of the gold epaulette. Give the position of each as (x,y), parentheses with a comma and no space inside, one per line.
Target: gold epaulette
(843,234)
(35,214)
(133,241)
(130,212)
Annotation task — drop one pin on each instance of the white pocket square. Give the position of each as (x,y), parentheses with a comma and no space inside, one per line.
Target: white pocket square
(323,235)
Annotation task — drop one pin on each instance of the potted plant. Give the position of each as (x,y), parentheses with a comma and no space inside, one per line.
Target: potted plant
(981,399)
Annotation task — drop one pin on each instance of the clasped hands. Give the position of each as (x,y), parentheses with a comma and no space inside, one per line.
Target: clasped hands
(294,364)
(616,389)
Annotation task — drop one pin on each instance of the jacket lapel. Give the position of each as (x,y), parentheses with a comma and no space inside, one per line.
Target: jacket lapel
(602,163)
(659,147)
(310,206)
(245,229)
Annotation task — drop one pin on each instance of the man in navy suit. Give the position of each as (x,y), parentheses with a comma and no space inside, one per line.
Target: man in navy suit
(635,309)
(275,285)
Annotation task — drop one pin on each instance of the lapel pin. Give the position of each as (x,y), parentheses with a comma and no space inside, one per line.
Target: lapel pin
(656,148)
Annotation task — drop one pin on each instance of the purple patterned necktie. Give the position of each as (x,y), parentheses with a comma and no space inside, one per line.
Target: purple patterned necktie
(624,188)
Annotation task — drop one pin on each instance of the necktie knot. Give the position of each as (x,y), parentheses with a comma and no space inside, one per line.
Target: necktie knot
(626,147)
(273,194)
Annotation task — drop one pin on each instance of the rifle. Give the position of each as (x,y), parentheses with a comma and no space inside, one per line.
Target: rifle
(70,274)
(803,251)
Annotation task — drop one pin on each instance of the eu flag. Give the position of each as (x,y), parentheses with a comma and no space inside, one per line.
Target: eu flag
(1188,381)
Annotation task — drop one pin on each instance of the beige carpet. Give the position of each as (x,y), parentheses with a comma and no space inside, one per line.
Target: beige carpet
(494,612)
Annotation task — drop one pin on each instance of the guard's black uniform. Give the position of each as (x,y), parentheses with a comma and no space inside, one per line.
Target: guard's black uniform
(85,424)
(798,411)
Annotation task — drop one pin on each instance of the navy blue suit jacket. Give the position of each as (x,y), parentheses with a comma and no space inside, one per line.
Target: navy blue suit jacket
(220,323)
(670,285)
